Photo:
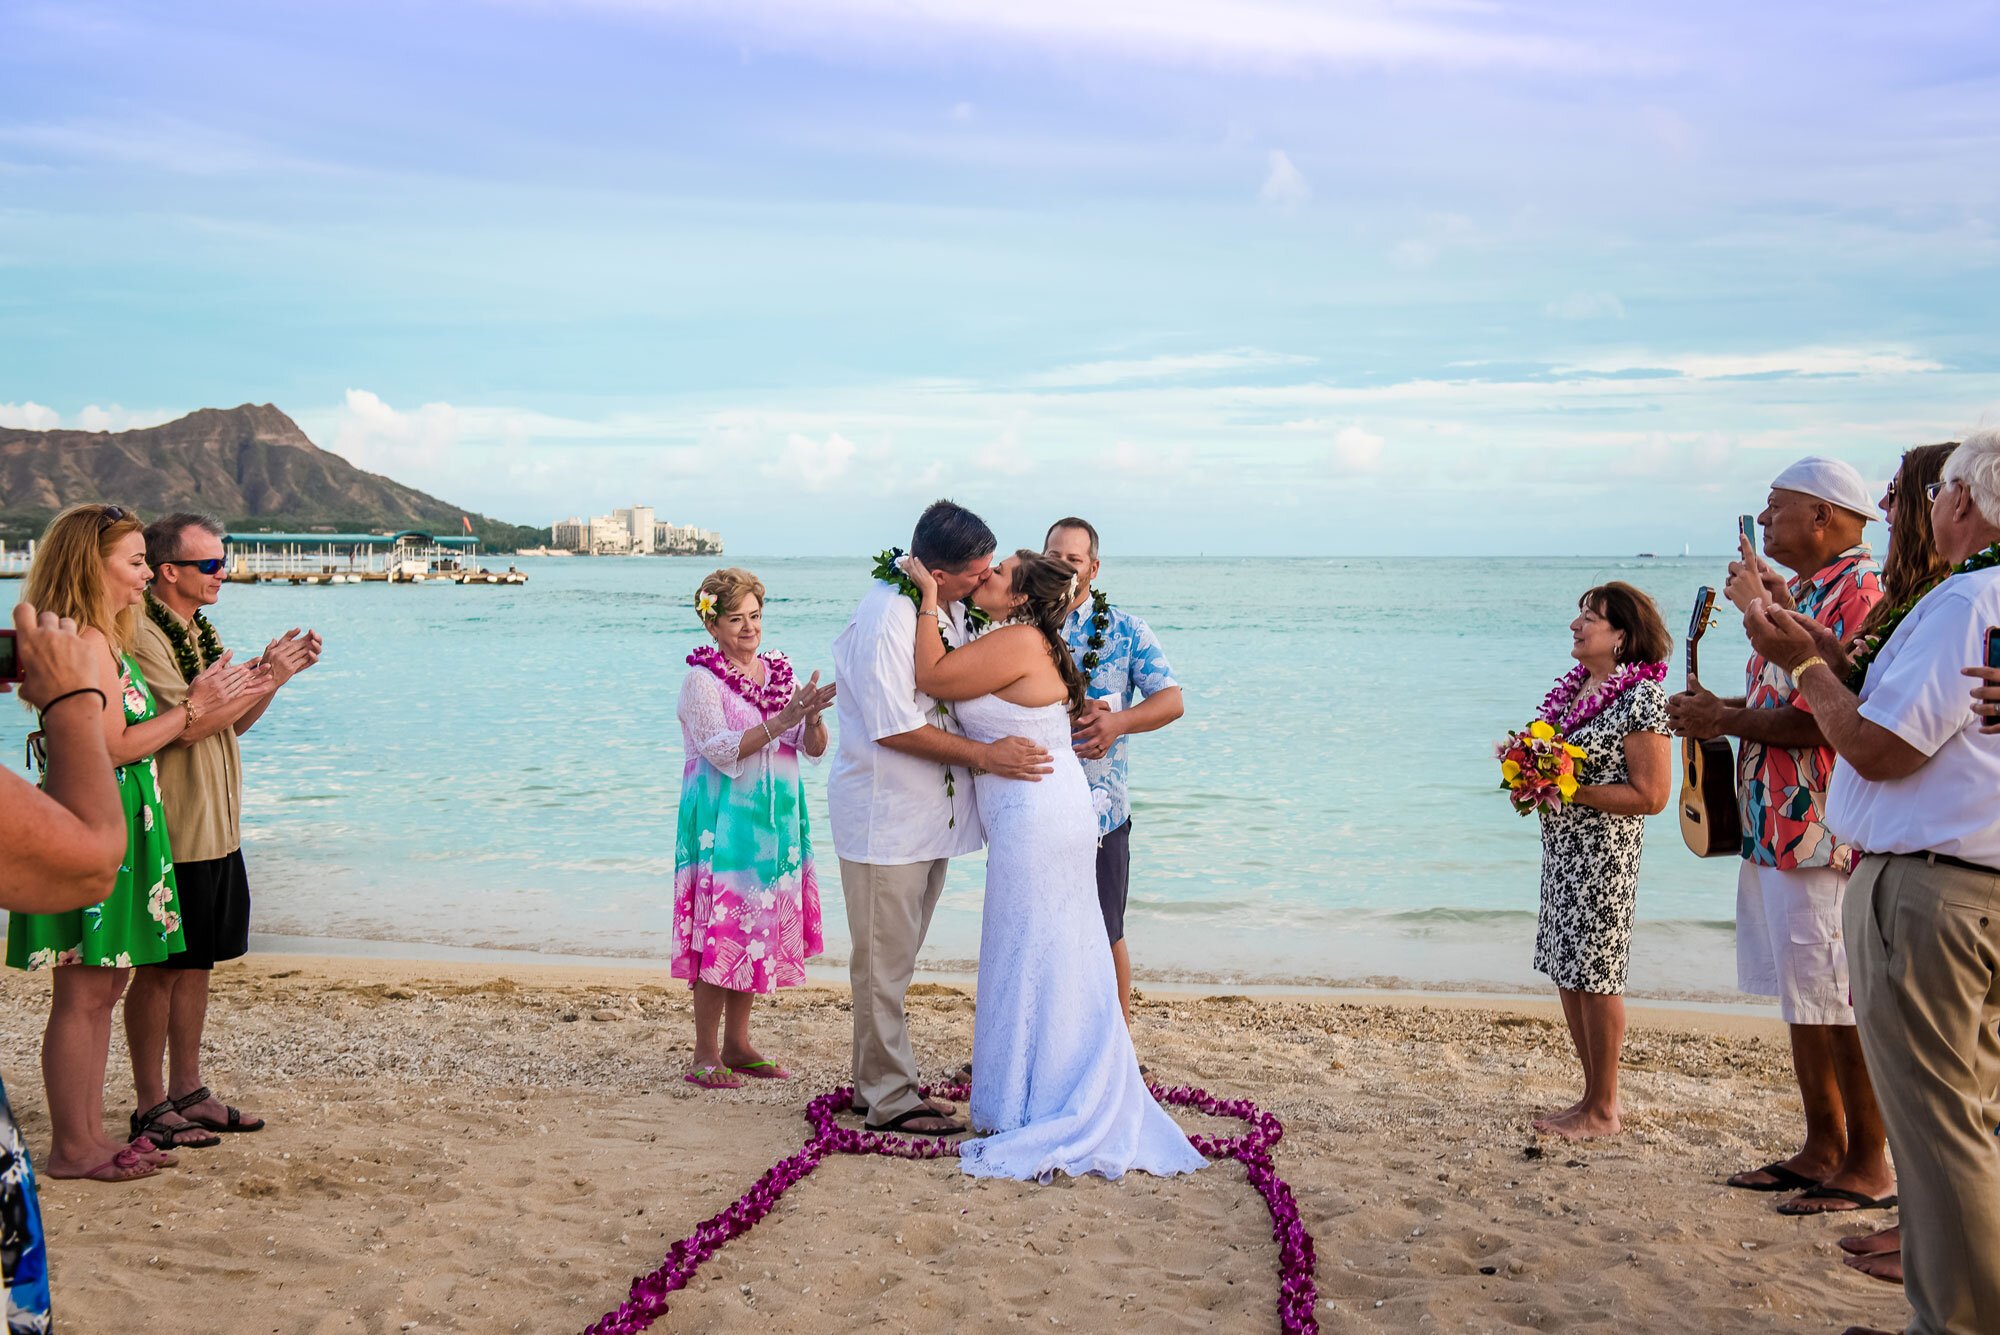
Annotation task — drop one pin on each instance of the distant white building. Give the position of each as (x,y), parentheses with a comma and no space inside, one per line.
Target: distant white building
(633,531)
(639,527)
(687,540)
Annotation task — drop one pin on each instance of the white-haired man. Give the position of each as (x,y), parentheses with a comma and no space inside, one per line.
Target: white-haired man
(1793,872)
(201,794)
(1918,788)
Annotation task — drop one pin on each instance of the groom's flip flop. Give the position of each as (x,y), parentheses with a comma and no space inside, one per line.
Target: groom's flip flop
(902,1123)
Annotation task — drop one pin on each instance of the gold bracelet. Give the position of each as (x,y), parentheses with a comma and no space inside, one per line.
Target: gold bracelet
(193,716)
(1814,661)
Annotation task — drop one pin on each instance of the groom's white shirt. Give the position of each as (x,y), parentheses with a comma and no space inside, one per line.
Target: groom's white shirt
(889,808)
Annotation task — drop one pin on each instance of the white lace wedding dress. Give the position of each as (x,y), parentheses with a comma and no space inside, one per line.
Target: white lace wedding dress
(1054,1078)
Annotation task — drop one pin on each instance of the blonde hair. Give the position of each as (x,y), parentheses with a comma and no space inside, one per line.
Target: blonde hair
(727,586)
(67,577)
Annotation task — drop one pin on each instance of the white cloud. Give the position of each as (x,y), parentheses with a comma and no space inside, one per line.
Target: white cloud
(1167,366)
(1795,362)
(1287,34)
(1357,451)
(29,416)
(372,435)
(1586,306)
(1285,186)
(816,465)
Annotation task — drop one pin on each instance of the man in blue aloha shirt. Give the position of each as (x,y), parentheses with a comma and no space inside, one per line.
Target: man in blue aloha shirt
(1131,690)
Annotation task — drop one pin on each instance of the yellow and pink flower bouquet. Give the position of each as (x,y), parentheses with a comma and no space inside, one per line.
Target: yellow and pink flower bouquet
(1538,768)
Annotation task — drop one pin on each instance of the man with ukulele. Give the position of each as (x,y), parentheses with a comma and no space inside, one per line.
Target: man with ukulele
(1788,891)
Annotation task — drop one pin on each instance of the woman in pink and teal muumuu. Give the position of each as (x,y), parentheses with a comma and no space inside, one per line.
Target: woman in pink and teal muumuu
(746,900)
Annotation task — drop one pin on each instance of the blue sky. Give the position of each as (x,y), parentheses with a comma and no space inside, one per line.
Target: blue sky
(1277,277)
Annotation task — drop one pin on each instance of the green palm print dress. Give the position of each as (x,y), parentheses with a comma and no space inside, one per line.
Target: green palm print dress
(140,921)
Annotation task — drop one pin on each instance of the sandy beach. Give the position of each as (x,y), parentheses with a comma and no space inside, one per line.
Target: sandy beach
(484,1148)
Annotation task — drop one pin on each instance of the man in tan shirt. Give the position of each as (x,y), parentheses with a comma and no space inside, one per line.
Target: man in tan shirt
(201,792)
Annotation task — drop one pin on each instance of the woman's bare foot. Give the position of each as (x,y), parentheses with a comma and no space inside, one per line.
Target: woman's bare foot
(1549,1124)
(1586,1124)
(1882,1240)
(1885,1266)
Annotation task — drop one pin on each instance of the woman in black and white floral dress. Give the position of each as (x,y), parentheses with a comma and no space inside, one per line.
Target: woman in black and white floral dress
(1613,706)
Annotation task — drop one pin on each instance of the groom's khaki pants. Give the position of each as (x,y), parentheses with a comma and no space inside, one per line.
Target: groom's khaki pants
(888,912)
(1922,941)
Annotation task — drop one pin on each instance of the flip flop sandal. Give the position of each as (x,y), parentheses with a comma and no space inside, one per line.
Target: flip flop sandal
(713,1077)
(1826,1193)
(233,1120)
(153,1125)
(902,1124)
(128,1165)
(163,1158)
(1782,1179)
(763,1070)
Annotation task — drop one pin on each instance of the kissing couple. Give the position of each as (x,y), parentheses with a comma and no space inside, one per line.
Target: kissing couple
(956,696)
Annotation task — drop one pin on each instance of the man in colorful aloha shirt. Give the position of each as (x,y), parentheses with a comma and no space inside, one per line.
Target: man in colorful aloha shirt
(1131,690)
(1794,871)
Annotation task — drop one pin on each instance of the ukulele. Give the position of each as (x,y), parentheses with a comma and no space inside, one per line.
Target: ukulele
(1710,822)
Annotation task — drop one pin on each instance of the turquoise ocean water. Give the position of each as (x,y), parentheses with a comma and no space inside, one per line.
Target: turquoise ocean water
(499,768)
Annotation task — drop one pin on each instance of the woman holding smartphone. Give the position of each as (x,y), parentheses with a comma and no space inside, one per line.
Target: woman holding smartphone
(91,568)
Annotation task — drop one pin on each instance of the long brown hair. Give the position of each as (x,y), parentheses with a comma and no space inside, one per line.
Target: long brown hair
(67,577)
(1047,587)
(1912,565)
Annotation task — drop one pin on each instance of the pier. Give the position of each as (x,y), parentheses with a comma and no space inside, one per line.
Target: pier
(409,557)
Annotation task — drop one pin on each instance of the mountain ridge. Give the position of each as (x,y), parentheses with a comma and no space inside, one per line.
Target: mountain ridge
(250,466)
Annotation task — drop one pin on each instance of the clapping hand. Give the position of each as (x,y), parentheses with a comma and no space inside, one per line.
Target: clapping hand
(290,654)
(220,682)
(806,705)
(1751,578)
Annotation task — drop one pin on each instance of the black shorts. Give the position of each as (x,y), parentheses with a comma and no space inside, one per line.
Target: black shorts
(215,912)
(1114,879)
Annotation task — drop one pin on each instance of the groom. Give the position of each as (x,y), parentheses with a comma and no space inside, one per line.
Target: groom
(901,800)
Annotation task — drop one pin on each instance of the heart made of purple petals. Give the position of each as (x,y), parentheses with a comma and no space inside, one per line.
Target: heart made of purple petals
(1298,1295)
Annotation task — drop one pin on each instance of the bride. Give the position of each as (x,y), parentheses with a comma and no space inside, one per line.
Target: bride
(1055,1082)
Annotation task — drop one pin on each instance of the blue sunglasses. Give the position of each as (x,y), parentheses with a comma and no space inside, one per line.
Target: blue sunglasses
(208,567)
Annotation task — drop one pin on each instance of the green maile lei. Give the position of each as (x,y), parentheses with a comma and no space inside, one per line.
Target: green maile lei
(1100,621)
(890,572)
(1871,644)
(186,656)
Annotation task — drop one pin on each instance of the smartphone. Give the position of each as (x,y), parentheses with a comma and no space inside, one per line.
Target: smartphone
(1993,659)
(10,658)
(1747,526)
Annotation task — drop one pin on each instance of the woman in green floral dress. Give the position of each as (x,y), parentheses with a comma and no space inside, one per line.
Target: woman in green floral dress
(91,567)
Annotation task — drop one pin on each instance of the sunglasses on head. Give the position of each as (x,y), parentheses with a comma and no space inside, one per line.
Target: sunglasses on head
(207,567)
(108,515)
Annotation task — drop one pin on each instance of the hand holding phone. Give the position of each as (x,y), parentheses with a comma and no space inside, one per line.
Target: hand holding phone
(1746,528)
(1993,646)
(10,658)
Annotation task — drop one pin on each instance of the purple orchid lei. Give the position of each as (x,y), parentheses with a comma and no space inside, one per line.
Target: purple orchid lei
(1298,1294)
(771,697)
(1560,706)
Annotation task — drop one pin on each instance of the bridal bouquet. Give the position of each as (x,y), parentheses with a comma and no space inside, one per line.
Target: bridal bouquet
(1538,768)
